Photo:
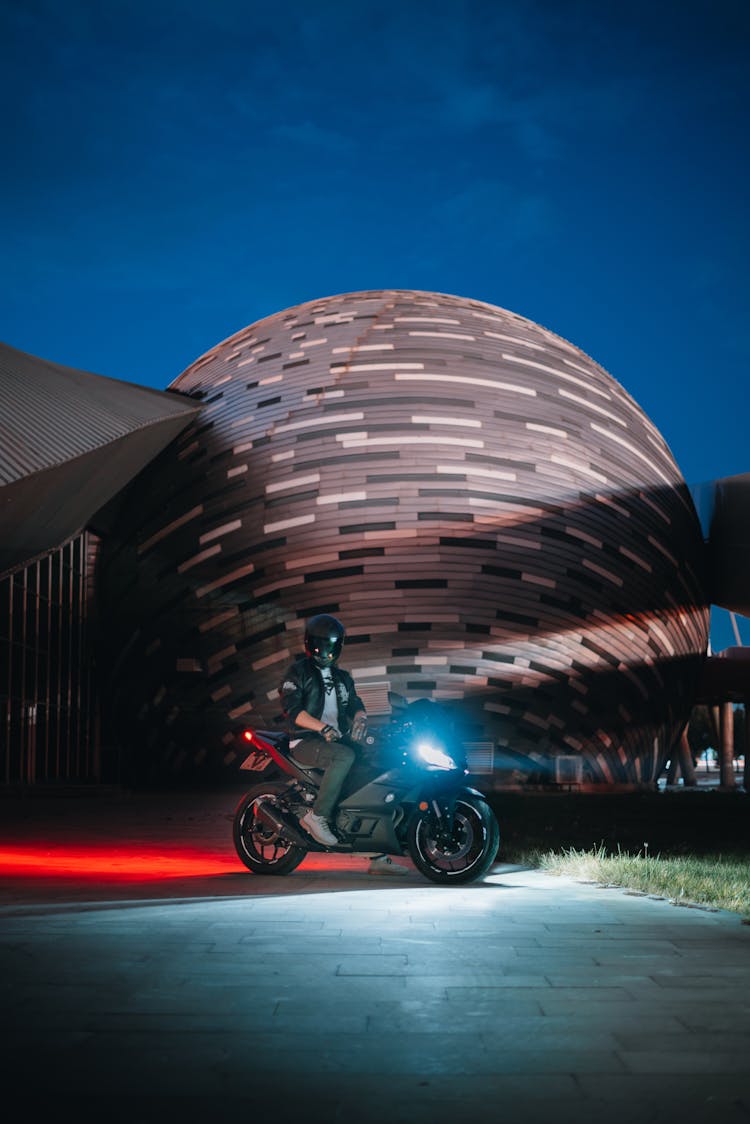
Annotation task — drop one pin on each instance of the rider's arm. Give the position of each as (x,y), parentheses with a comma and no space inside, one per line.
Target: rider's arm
(356,711)
(359,726)
(355,702)
(292,692)
(307,722)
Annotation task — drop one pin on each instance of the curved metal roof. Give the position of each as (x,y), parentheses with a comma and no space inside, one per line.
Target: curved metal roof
(69,442)
(50,413)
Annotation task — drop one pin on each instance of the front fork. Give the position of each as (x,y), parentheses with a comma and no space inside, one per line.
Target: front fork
(443,808)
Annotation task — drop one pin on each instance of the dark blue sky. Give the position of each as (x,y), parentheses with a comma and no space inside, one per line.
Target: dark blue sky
(174,171)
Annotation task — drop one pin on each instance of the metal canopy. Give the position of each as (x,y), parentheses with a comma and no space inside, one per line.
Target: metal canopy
(69,442)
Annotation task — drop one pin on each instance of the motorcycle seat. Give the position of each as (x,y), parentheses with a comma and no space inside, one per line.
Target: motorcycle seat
(305,768)
(275,737)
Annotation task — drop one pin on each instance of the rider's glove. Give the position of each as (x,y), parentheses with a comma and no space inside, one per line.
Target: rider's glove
(359,728)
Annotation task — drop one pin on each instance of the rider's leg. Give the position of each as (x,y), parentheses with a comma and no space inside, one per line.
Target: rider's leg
(337,759)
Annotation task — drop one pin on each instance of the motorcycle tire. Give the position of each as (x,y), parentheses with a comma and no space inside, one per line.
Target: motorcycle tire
(468,855)
(261,848)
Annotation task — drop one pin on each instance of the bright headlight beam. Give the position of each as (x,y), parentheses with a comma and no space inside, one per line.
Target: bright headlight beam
(435,756)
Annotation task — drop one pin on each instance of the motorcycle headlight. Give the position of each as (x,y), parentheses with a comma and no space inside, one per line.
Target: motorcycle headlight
(434,756)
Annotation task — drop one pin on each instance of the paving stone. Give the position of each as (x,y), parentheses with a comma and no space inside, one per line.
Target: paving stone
(598,977)
(686,1060)
(713,1042)
(665,1088)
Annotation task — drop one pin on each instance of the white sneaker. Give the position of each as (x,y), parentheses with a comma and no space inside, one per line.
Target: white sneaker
(317,826)
(384,864)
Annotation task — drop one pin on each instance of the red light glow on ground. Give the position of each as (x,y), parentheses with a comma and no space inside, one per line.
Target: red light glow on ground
(100,863)
(138,863)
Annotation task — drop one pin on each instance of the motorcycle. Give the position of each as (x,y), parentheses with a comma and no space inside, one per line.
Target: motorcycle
(407,796)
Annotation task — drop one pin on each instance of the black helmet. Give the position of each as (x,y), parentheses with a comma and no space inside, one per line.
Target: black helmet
(324,639)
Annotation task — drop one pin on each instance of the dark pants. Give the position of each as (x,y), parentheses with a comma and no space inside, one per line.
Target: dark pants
(336,759)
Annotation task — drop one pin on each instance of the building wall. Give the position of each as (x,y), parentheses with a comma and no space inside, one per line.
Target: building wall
(48,699)
(496,521)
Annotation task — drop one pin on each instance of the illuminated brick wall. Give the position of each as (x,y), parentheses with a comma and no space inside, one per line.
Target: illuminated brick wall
(488,511)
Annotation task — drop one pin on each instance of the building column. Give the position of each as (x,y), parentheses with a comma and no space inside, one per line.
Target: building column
(685,757)
(726,747)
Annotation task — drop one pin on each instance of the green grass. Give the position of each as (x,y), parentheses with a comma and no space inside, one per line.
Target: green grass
(713,881)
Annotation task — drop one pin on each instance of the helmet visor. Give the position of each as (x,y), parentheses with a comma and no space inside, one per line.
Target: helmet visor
(325,650)
(324,639)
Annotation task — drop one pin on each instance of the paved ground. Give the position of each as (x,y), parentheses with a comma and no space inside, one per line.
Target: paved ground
(146,977)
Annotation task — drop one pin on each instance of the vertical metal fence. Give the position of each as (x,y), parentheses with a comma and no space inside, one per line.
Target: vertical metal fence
(48,698)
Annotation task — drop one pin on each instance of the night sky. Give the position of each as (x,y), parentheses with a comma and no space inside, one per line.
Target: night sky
(174,171)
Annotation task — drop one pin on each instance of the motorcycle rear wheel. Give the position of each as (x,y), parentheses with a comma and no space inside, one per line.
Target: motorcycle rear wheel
(470,852)
(263,850)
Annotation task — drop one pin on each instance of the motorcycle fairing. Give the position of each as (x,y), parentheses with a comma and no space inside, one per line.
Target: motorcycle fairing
(357,824)
(383,790)
(368,831)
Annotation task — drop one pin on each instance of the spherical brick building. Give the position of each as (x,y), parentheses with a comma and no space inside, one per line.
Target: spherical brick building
(489,512)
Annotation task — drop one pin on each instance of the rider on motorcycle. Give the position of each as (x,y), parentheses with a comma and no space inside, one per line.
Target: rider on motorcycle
(321,704)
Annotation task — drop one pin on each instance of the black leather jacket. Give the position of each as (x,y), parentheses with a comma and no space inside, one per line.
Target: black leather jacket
(302,689)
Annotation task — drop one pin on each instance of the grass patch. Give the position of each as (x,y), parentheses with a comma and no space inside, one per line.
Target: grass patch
(715,881)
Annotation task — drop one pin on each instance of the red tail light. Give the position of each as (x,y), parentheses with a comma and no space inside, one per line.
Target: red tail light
(248,736)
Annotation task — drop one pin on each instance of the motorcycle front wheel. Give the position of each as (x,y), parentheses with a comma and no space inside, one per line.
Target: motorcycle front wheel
(463,856)
(261,848)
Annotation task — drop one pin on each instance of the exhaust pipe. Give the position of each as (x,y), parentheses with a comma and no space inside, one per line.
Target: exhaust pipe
(270,817)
